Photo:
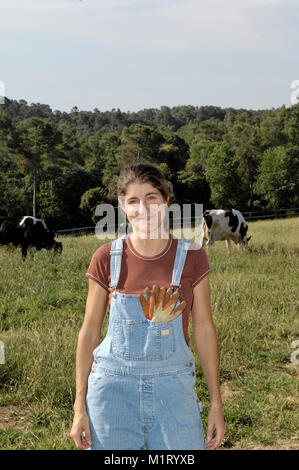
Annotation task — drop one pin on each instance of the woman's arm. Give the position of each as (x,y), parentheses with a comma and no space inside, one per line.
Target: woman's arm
(88,340)
(205,339)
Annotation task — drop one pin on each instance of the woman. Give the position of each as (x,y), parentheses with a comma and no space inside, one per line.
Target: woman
(137,388)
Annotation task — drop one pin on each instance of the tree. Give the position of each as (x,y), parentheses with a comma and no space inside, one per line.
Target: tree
(91,199)
(70,188)
(38,144)
(188,132)
(193,186)
(244,140)
(13,188)
(212,129)
(291,123)
(200,151)
(221,174)
(139,144)
(173,151)
(278,177)
(271,129)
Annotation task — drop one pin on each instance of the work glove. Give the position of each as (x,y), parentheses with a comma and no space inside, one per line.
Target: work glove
(159,304)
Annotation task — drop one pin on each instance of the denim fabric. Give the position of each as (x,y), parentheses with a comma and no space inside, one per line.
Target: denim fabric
(141,388)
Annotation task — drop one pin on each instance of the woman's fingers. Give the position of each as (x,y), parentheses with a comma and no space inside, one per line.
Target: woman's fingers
(86,438)
(81,437)
(214,442)
(211,445)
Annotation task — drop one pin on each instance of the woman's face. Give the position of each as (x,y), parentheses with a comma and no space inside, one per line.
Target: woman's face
(145,207)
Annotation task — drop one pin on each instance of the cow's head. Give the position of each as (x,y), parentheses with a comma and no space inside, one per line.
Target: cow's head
(243,233)
(208,219)
(206,228)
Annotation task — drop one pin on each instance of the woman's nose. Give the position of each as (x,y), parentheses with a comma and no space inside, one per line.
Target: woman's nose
(142,208)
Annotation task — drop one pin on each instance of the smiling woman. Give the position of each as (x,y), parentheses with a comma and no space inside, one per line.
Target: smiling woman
(137,387)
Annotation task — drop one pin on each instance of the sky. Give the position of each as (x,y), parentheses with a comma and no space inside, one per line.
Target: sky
(137,54)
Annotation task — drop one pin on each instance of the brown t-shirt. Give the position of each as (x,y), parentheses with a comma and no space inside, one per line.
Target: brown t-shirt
(138,271)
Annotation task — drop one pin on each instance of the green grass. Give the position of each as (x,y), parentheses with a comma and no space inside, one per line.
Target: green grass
(254,306)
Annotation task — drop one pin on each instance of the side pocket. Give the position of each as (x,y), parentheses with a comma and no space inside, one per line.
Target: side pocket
(96,375)
(96,350)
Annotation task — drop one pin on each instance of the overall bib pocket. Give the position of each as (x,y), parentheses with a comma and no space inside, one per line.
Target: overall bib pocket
(142,340)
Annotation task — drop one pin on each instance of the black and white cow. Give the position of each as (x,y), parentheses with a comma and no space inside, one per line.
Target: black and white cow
(28,232)
(219,224)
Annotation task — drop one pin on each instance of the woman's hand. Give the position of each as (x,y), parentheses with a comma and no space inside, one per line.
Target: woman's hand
(215,421)
(159,304)
(80,431)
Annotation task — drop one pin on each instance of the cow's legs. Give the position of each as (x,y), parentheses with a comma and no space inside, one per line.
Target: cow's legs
(32,251)
(58,248)
(228,246)
(209,243)
(24,251)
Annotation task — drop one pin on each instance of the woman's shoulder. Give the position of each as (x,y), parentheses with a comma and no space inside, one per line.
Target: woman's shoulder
(102,251)
(197,263)
(192,245)
(196,252)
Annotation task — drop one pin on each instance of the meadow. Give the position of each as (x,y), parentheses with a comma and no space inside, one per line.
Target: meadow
(254,300)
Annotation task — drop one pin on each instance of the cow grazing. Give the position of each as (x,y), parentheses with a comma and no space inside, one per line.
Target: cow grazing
(28,232)
(219,224)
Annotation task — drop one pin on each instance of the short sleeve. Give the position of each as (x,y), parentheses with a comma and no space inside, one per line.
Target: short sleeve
(99,267)
(200,264)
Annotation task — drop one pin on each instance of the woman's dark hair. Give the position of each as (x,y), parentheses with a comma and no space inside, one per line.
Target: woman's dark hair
(144,173)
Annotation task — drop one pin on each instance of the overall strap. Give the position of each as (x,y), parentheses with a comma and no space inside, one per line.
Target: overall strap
(179,262)
(115,260)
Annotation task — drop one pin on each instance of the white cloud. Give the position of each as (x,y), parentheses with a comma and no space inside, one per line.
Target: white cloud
(195,25)
(223,24)
(168,43)
(53,5)
(36,5)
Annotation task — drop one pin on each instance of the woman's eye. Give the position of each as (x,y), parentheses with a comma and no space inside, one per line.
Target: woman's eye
(136,202)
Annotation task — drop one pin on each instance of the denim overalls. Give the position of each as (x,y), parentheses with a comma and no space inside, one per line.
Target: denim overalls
(141,388)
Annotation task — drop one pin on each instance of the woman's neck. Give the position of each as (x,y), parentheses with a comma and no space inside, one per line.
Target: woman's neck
(148,246)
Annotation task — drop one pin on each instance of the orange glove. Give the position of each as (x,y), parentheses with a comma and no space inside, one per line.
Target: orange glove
(159,304)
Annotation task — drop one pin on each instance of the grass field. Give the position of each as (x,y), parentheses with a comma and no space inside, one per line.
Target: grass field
(254,297)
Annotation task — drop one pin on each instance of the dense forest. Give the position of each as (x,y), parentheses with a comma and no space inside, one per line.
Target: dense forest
(61,165)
